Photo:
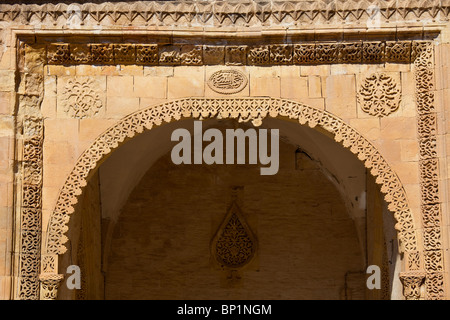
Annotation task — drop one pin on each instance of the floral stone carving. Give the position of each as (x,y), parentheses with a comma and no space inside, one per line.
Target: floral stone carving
(234,244)
(81,98)
(379,95)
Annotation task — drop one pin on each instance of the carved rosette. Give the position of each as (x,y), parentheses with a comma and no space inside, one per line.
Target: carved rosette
(227,81)
(82,98)
(379,95)
(234,244)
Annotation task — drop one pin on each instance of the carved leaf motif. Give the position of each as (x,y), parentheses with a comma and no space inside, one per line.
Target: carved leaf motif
(82,100)
(234,244)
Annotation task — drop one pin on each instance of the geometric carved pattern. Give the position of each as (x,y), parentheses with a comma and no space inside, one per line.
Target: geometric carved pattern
(379,95)
(303,53)
(429,167)
(222,13)
(243,109)
(81,98)
(31,208)
(233,245)
(227,81)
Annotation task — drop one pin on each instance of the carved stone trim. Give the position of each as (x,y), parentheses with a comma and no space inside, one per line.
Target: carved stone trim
(302,53)
(223,13)
(429,168)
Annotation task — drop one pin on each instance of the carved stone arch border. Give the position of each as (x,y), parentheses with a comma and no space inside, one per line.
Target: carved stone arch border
(244,109)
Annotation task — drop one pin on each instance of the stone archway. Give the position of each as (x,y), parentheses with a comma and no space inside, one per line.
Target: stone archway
(243,109)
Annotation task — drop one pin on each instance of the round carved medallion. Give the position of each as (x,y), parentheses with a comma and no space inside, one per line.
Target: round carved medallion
(227,81)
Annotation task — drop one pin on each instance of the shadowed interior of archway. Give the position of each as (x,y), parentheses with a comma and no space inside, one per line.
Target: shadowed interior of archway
(155,242)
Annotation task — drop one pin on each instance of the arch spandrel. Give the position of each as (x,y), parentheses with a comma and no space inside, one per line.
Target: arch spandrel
(243,109)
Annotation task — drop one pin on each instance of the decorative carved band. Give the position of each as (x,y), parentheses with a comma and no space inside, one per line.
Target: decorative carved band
(429,169)
(227,13)
(303,53)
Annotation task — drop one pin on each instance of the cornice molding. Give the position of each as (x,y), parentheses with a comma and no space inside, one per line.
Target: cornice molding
(241,13)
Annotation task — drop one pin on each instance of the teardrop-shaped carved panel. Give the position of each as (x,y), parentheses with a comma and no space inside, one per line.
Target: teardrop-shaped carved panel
(234,244)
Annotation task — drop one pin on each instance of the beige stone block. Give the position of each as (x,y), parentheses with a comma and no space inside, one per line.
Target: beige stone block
(6,60)
(408,83)
(56,70)
(389,149)
(340,69)
(408,172)
(54,151)
(6,126)
(294,88)
(7,82)
(409,150)
(117,107)
(56,174)
(318,103)
(318,70)
(339,86)
(267,87)
(315,86)
(48,107)
(398,128)
(150,87)
(91,70)
(369,128)
(145,103)
(5,218)
(264,71)
(6,106)
(158,71)
(185,87)
(397,67)
(340,107)
(131,70)
(119,86)
(49,197)
(414,196)
(5,150)
(189,71)
(50,88)
(91,128)
(61,129)
(290,71)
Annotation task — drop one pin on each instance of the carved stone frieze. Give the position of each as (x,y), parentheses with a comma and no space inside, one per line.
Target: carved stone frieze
(412,281)
(265,54)
(222,13)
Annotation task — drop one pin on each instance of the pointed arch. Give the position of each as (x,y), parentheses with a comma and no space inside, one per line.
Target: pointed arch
(253,109)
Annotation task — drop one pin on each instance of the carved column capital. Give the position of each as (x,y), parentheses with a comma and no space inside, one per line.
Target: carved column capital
(412,281)
(49,285)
